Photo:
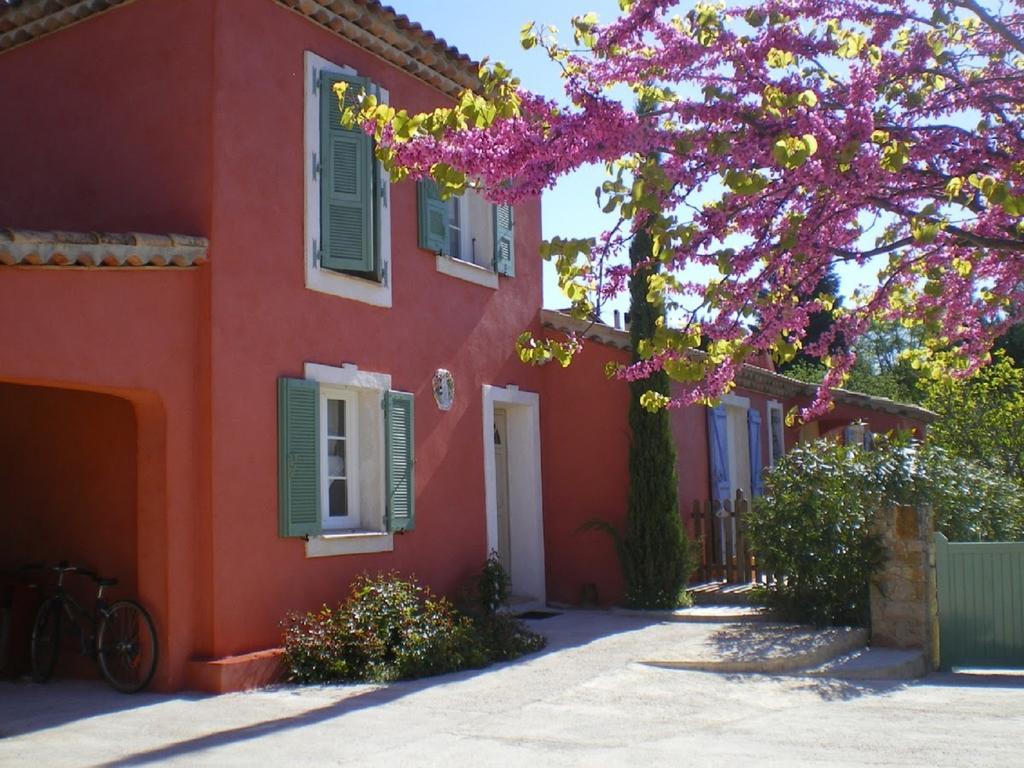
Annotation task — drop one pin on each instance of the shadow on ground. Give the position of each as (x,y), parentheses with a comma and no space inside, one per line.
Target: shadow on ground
(745,641)
(27,707)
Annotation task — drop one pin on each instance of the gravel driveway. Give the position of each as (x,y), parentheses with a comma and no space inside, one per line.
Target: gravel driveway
(586,700)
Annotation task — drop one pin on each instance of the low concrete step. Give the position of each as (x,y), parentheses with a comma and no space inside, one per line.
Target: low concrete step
(874,664)
(703,613)
(722,593)
(767,648)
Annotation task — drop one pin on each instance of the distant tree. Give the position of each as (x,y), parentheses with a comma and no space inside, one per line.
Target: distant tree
(880,369)
(819,323)
(982,418)
(1012,343)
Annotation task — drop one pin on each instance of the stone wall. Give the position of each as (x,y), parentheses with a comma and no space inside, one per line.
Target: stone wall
(904,608)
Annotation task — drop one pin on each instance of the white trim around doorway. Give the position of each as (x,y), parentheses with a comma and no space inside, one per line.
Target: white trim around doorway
(525,497)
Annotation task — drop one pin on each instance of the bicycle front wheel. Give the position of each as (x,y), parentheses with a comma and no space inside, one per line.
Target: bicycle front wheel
(45,640)
(126,646)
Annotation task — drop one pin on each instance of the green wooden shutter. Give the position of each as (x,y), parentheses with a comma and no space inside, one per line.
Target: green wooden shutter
(399,457)
(346,184)
(298,457)
(433,216)
(504,241)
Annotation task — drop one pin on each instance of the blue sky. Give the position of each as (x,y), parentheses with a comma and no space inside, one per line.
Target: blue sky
(492,29)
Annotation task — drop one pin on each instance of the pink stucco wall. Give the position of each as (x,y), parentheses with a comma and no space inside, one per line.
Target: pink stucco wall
(188,117)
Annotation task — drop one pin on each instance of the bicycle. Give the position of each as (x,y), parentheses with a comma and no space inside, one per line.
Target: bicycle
(119,637)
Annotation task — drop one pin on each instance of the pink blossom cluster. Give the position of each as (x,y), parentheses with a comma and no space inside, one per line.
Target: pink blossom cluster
(790,136)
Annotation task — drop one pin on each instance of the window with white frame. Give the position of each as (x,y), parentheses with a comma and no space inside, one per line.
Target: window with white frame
(346,457)
(339,484)
(467,230)
(348,222)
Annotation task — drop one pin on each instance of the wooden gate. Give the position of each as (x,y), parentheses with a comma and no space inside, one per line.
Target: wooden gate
(981,603)
(721,542)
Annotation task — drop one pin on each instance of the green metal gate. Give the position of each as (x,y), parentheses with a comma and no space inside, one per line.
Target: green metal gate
(981,603)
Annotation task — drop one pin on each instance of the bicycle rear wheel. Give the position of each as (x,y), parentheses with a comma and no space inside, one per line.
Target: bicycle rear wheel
(126,646)
(45,640)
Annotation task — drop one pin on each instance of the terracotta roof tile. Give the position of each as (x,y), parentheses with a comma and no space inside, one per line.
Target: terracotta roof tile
(749,376)
(53,248)
(369,24)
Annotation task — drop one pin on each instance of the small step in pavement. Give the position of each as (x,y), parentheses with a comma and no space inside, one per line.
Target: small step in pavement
(874,664)
(703,613)
(766,648)
(722,593)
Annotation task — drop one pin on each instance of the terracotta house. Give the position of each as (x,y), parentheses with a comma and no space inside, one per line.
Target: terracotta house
(300,372)
(237,420)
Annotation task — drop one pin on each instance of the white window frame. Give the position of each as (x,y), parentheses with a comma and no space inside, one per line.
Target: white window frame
(318,278)
(776,407)
(460,266)
(351,438)
(366,531)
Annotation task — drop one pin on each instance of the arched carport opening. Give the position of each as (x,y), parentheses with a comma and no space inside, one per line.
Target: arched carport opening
(80,480)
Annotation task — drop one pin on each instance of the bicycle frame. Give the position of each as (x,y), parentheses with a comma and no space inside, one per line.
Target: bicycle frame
(85,623)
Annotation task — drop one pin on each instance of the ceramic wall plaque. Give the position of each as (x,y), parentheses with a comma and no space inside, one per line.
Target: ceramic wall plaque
(444,389)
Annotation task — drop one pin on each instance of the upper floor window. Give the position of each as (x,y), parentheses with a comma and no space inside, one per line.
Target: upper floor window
(348,239)
(467,230)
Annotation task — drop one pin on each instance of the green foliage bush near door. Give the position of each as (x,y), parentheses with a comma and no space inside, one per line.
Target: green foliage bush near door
(392,628)
(814,526)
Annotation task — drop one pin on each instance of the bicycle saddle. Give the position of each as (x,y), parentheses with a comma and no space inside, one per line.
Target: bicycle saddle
(105,582)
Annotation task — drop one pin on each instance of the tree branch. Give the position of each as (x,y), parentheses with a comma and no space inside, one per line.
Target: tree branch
(994,23)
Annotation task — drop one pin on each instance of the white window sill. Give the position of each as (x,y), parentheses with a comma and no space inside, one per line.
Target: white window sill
(465,270)
(349,543)
(348,286)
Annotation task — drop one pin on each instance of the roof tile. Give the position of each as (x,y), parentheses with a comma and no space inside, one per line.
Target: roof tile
(54,248)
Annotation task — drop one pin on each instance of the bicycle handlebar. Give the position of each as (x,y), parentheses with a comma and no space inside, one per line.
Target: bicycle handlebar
(64,567)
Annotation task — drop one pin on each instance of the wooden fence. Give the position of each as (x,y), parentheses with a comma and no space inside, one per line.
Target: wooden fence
(723,551)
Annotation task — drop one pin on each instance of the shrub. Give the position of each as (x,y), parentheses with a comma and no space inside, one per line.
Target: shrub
(503,636)
(492,586)
(970,501)
(392,628)
(814,528)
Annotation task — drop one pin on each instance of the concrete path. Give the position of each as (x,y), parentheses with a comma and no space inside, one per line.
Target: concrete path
(587,700)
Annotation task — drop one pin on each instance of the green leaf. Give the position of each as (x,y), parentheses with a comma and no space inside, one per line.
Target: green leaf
(777,59)
(527,38)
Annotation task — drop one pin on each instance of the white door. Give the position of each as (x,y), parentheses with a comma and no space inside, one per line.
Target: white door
(501,489)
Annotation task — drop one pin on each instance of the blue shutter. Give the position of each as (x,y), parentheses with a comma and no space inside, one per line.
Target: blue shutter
(718,453)
(754,441)
(869,439)
(848,435)
(298,457)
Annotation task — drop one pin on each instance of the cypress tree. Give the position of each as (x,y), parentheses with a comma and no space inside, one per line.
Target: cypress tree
(655,550)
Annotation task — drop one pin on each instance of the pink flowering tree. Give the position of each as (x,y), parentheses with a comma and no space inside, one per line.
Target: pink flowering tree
(775,140)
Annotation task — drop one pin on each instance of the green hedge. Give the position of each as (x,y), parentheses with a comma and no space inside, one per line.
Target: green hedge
(814,525)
